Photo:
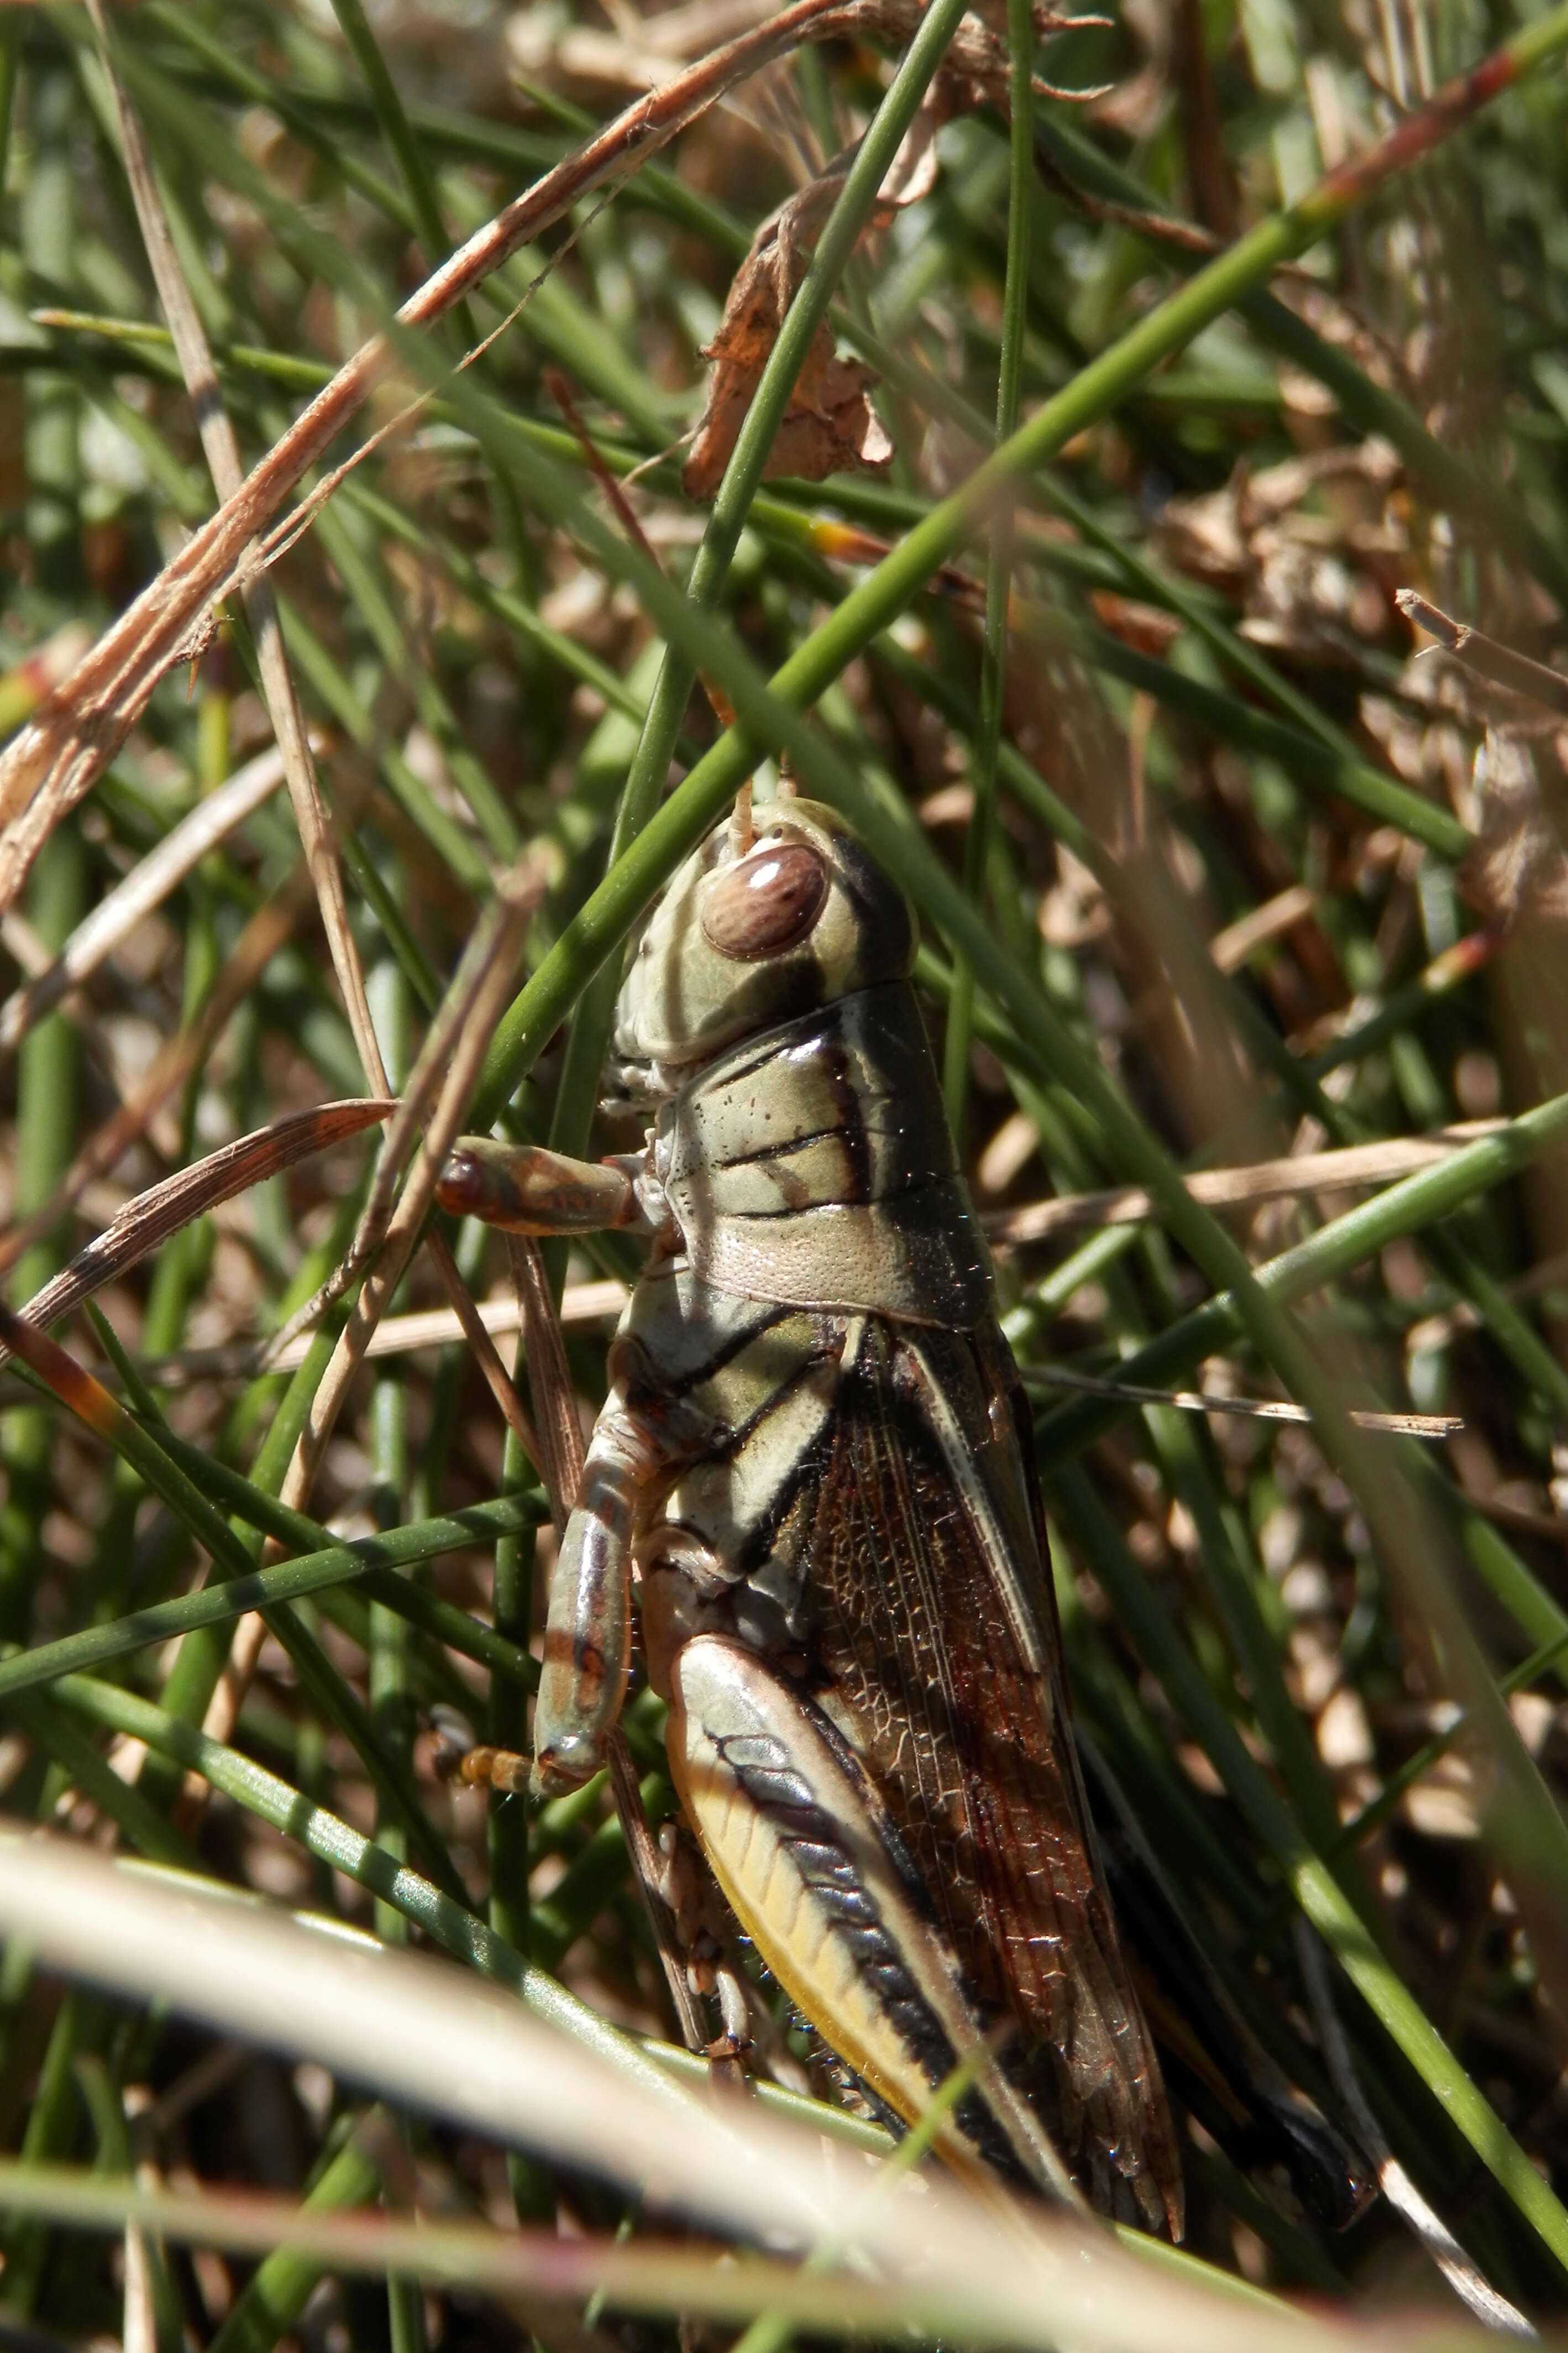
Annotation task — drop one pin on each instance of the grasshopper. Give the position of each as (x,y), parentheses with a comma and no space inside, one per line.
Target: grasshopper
(812,1486)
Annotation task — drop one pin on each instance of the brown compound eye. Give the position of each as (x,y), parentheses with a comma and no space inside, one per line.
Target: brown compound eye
(767,904)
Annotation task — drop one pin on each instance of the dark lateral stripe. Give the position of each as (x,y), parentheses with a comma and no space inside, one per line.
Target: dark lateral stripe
(758,1540)
(848,1095)
(796,1031)
(811,1840)
(733,1344)
(781,1150)
(941,1189)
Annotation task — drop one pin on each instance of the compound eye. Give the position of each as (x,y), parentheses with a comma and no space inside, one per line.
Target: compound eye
(767,904)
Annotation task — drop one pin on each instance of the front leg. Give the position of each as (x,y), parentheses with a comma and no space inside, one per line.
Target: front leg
(523,1189)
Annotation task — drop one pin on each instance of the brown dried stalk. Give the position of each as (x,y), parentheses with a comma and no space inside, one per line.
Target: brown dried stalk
(258,943)
(625,514)
(1486,656)
(496,956)
(1262,1180)
(502,944)
(560,1454)
(466,1009)
(465,992)
(148,1221)
(147,885)
(395,1335)
(1386,1425)
(222,452)
(58,758)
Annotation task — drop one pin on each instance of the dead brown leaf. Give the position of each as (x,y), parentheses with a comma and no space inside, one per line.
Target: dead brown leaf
(829,425)
(1149,629)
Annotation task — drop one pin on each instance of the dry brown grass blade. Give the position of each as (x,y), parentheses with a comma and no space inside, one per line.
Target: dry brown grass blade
(481,1346)
(461,1320)
(1484,655)
(59,754)
(645,1859)
(1263,1180)
(1159,228)
(149,1219)
(455,1013)
(1230,948)
(625,514)
(496,956)
(469,1045)
(146,886)
(1208,172)
(222,452)
(554,1399)
(1389,1425)
(258,943)
(466,1011)
(395,1335)
(460,1014)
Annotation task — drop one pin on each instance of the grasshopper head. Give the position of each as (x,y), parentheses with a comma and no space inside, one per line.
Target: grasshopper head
(753,931)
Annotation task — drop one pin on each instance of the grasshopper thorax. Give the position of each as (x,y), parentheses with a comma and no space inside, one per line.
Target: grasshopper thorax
(747,936)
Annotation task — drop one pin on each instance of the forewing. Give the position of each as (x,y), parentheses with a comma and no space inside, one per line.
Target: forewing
(940,1659)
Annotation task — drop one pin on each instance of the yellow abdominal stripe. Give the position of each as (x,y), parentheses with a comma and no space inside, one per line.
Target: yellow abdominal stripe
(791,1838)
